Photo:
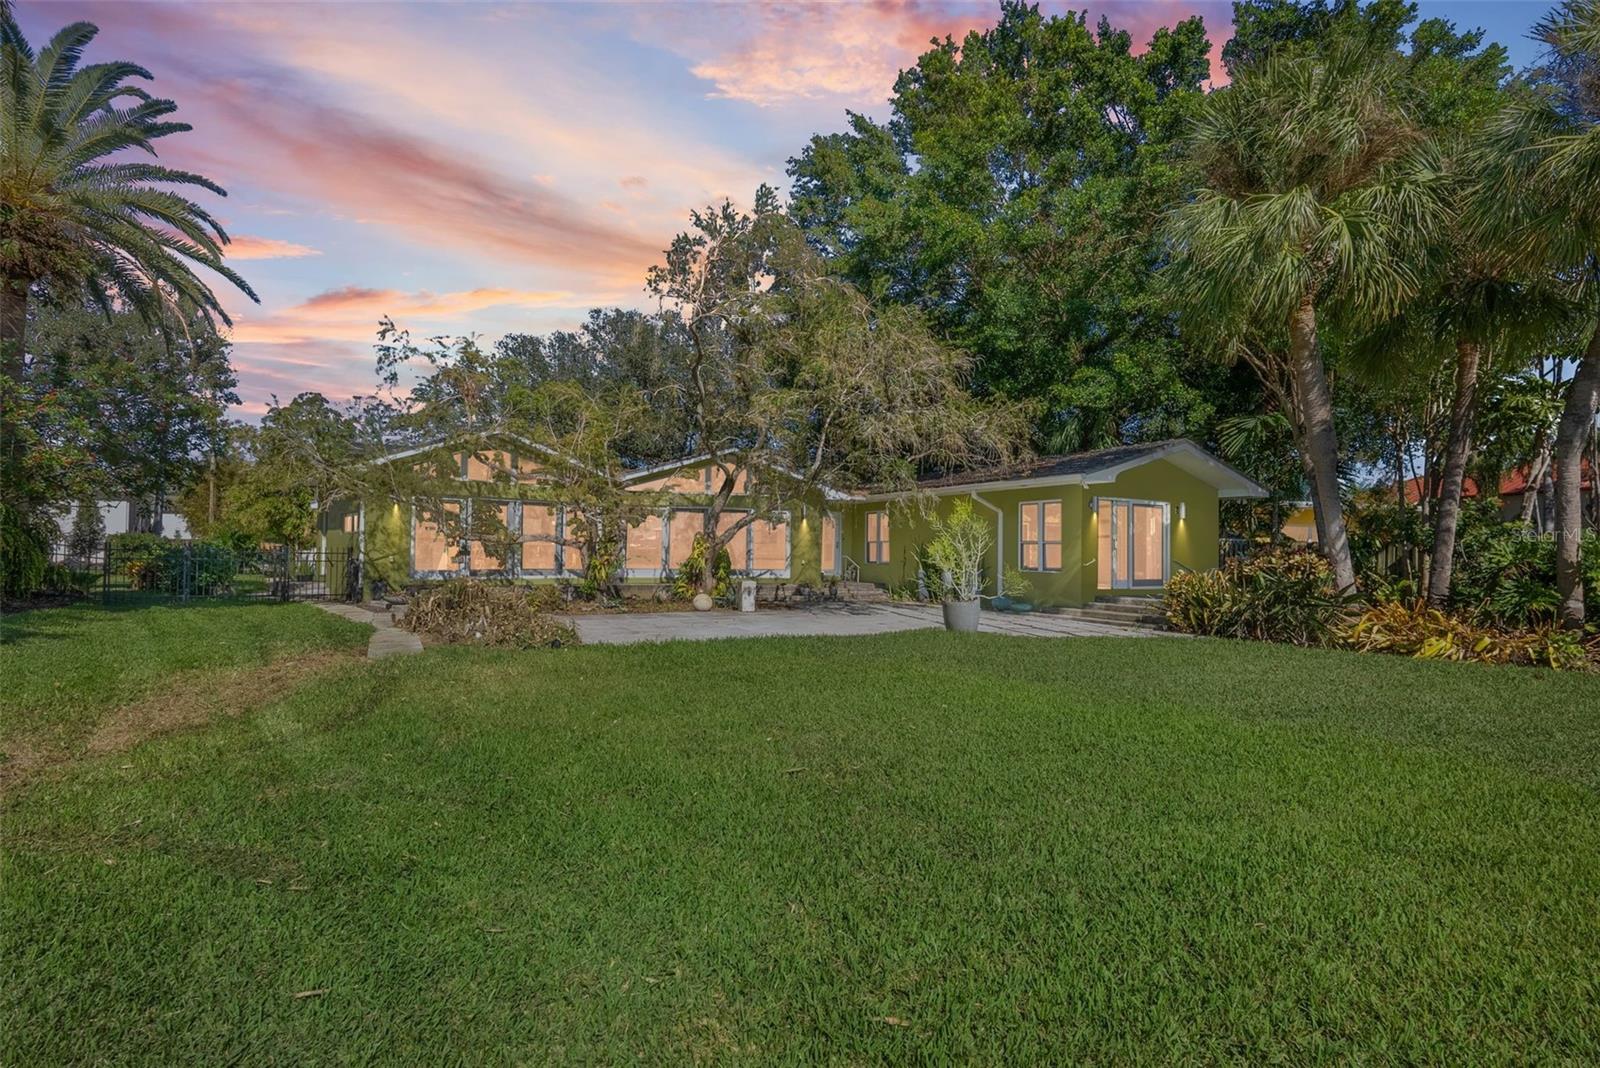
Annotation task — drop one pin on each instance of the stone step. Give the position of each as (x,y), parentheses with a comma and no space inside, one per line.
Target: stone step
(1151,602)
(1115,615)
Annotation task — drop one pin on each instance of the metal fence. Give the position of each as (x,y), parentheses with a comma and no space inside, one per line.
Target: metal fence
(197,571)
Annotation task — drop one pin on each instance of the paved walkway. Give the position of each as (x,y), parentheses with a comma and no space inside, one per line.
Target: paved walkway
(387,639)
(625,629)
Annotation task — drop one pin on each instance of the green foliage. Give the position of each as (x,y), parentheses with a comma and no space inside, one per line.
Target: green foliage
(691,575)
(1416,630)
(1380,528)
(86,217)
(1506,575)
(24,551)
(1015,196)
(954,558)
(482,613)
(1282,595)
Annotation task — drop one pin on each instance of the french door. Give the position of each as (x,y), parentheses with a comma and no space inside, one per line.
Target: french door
(1135,551)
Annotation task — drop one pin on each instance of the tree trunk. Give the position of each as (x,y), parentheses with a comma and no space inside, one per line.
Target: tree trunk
(13,341)
(1577,421)
(1456,450)
(1321,441)
(1538,464)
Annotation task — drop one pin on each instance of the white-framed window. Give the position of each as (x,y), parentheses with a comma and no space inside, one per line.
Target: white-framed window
(1039,536)
(1135,543)
(348,525)
(878,537)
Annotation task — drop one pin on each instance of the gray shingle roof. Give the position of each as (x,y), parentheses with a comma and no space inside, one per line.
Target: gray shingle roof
(1077,463)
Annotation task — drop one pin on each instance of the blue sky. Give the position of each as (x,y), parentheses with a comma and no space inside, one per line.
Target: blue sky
(488,167)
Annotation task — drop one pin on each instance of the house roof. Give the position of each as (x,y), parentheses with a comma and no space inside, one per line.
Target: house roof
(1104,465)
(1512,482)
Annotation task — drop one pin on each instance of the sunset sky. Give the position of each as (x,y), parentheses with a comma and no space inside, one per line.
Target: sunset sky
(495,167)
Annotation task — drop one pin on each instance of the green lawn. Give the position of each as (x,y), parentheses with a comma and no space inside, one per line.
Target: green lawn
(912,847)
(65,668)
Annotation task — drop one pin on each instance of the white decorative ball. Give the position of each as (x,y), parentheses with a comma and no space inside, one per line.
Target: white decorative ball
(702,602)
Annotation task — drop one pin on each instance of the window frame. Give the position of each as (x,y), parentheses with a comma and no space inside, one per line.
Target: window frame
(881,544)
(1041,543)
(1101,506)
(463,568)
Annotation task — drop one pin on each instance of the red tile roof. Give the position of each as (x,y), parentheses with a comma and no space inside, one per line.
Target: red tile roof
(1512,482)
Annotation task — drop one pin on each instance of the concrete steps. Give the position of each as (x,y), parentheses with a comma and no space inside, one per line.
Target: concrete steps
(861,592)
(1139,612)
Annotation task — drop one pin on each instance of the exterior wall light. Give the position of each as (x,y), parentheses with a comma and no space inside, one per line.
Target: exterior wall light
(1183,511)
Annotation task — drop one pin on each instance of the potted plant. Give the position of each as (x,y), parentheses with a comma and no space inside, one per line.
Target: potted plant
(955,556)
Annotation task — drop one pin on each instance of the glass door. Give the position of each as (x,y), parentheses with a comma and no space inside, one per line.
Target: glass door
(830,543)
(1134,553)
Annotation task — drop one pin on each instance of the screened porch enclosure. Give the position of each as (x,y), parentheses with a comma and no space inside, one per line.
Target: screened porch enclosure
(528,539)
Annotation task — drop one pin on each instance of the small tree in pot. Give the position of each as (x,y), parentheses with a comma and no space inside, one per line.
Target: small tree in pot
(955,558)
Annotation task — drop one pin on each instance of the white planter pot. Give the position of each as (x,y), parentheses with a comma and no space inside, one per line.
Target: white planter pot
(962,615)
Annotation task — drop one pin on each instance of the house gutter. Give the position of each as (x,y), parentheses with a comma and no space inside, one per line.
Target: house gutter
(999,541)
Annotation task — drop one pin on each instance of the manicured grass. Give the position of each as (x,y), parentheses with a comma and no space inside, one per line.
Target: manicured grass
(64,668)
(910,847)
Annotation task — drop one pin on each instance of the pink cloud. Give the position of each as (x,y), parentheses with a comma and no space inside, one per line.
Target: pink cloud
(249,247)
(351,313)
(855,51)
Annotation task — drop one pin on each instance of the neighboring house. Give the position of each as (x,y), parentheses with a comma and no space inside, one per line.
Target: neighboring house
(1120,520)
(123,517)
(1512,491)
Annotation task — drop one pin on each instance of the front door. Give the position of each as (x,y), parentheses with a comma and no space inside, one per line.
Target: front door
(1134,549)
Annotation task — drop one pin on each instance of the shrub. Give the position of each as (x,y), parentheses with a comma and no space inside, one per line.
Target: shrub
(87,534)
(692,572)
(1411,628)
(24,552)
(955,556)
(1282,595)
(481,613)
(1507,576)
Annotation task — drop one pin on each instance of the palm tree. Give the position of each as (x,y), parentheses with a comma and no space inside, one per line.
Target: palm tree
(1545,160)
(72,212)
(1314,190)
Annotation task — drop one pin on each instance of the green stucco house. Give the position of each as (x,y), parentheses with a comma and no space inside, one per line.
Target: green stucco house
(1113,521)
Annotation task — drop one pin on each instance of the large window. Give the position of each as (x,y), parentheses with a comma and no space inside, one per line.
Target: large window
(647,545)
(1040,548)
(490,534)
(490,537)
(431,549)
(877,537)
(1133,546)
(540,529)
(769,546)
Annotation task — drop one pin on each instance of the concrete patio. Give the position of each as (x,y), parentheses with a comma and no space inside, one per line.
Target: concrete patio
(625,629)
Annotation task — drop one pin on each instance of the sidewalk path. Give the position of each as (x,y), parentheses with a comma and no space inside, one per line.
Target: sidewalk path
(625,629)
(387,639)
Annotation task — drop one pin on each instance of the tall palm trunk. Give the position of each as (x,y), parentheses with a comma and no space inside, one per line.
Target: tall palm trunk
(1321,442)
(1577,422)
(13,341)
(1456,450)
